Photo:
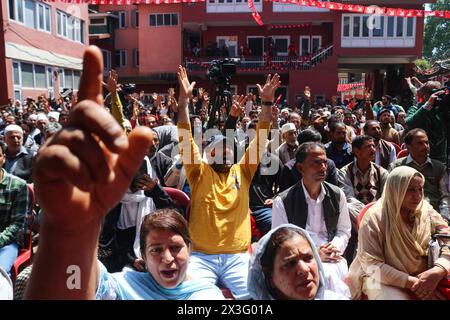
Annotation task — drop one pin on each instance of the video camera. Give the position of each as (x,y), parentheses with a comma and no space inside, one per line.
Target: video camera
(128,89)
(443,100)
(221,69)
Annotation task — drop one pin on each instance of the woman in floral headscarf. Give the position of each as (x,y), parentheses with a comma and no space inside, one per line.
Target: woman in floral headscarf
(393,240)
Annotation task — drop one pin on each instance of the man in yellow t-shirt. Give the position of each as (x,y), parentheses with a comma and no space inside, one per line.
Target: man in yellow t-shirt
(219,222)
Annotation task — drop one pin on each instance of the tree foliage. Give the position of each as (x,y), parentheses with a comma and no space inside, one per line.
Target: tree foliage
(436,41)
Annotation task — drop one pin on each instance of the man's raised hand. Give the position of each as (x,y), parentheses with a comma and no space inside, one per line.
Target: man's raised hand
(185,86)
(267,92)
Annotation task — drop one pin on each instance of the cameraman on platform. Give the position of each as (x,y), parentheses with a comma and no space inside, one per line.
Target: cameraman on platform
(431,116)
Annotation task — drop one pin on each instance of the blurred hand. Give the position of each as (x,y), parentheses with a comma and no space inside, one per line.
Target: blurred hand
(307,93)
(146,183)
(90,162)
(112,81)
(237,106)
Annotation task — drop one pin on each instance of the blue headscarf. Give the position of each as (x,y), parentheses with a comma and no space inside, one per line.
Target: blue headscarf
(257,283)
(133,285)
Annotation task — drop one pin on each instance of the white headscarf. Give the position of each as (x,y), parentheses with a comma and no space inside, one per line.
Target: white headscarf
(135,206)
(257,283)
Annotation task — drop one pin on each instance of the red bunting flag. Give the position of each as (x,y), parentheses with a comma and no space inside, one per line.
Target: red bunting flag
(400,12)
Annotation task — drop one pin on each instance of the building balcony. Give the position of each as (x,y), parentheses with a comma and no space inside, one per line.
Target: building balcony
(102,25)
(265,63)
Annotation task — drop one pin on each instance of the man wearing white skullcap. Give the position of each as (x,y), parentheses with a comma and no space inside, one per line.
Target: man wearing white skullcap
(41,122)
(18,158)
(53,116)
(289,147)
(32,122)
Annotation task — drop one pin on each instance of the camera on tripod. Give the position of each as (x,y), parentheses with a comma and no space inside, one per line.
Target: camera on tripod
(443,100)
(220,72)
(221,69)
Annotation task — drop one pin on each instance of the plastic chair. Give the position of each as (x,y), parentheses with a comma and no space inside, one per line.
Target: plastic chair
(362,213)
(403,153)
(23,259)
(397,147)
(181,200)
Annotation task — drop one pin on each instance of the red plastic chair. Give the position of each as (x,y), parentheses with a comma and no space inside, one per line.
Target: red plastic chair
(397,147)
(403,153)
(180,199)
(362,213)
(23,259)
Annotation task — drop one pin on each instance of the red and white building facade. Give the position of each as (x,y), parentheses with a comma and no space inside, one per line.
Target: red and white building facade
(333,47)
(41,47)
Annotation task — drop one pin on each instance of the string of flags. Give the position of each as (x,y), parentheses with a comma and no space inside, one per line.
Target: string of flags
(371,9)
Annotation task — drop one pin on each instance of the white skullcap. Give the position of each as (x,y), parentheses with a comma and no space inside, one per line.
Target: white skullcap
(13,127)
(32,117)
(285,110)
(41,116)
(287,127)
(54,115)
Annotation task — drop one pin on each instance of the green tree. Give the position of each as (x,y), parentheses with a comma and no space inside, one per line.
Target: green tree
(436,41)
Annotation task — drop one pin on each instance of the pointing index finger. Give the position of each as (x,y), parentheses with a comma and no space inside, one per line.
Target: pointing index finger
(92,76)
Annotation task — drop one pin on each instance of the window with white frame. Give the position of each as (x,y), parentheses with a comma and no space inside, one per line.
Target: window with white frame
(15,10)
(40,76)
(121,58)
(69,27)
(316,43)
(135,18)
(122,19)
(377,31)
(287,7)
(31,13)
(69,79)
(29,75)
(256,45)
(281,44)
(50,80)
(305,47)
(163,19)
(231,42)
(222,6)
(106,59)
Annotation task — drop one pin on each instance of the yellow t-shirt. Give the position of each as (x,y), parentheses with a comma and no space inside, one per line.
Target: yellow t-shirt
(219,221)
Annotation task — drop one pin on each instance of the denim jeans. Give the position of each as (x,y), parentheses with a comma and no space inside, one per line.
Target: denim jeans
(8,254)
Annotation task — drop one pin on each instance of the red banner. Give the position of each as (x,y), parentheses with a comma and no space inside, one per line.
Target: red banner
(349,86)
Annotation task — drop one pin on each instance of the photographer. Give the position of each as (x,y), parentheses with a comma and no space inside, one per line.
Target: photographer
(431,116)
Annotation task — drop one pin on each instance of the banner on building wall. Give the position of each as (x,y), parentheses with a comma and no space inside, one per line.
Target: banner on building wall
(398,12)
(349,86)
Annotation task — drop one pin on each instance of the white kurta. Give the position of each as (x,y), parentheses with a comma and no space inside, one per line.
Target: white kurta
(315,226)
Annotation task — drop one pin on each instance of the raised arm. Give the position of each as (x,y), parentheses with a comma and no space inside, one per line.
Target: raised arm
(254,152)
(185,94)
(89,165)
(116,104)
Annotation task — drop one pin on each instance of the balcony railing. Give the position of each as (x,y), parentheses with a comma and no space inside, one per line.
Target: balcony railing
(265,63)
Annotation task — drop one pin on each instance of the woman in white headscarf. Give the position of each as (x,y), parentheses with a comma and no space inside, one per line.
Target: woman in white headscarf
(285,265)
(393,240)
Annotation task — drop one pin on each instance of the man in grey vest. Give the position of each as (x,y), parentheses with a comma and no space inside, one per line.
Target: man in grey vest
(384,151)
(321,209)
(434,171)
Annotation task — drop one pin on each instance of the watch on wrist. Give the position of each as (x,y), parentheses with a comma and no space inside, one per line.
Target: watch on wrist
(267,103)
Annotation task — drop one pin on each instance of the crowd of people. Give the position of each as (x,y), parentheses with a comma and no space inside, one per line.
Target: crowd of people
(313,201)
